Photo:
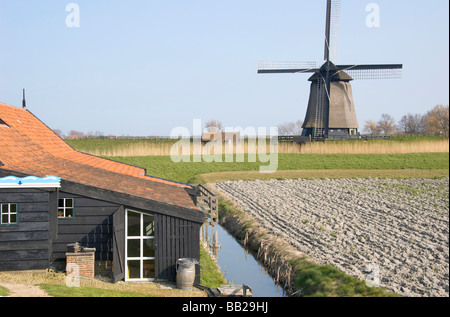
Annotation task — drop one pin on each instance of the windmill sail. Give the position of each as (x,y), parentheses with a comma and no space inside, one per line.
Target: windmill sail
(332,30)
(387,71)
(286,67)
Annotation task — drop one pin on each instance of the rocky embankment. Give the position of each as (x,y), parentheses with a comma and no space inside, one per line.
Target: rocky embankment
(394,233)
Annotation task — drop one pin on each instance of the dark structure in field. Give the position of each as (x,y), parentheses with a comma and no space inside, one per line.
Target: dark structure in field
(52,195)
(331,109)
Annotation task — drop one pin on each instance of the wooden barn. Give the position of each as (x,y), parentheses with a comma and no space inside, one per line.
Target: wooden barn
(52,195)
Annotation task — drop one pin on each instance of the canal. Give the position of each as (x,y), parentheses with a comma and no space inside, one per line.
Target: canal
(239,266)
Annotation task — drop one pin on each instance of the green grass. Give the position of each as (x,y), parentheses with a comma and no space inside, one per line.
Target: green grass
(64,291)
(314,280)
(210,274)
(188,172)
(3,291)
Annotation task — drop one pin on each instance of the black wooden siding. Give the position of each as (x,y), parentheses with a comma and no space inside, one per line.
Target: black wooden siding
(27,245)
(40,238)
(91,226)
(175,238)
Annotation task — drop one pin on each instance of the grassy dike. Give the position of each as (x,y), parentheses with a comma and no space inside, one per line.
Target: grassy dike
(428,165)
(297,273)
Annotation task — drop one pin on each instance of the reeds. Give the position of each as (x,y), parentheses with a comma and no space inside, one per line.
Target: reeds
(134,149)
(330,147)
(368,147)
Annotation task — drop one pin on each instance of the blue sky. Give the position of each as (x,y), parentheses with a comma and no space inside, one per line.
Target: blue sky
(144,67)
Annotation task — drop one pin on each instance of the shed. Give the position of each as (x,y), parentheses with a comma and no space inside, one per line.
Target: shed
(223,137)
(52,195)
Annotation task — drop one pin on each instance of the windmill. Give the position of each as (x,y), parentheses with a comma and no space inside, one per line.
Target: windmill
(331,109)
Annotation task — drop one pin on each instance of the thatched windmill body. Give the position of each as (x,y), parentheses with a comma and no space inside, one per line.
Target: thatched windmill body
(331,109)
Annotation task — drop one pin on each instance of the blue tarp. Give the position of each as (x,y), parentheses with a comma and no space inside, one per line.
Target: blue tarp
(30,181)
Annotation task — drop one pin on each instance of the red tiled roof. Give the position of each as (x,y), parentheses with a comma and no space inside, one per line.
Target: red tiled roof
(28,146)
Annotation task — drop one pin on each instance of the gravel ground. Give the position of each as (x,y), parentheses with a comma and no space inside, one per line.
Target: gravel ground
(396,229)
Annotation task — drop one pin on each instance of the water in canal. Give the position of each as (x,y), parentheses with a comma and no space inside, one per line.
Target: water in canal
(239,267)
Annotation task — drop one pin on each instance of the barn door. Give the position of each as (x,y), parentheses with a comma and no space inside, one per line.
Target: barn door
(119,245)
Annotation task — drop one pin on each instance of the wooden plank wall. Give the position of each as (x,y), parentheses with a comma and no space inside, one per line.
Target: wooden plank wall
(30,244)
(27,245)
(92,227)
(175,238)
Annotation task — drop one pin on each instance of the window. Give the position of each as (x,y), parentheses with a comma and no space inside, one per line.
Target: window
(65,208)
(9,214)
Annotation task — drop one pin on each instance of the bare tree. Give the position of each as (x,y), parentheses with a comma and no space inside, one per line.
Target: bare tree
(95,134)
(58,132)
(437,121)
(76,133)
(213,126)
(371,127)
(412,124)
(291,128)
(387,124)
(285,128)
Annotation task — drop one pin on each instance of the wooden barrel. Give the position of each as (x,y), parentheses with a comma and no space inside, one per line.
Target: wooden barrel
(185,273)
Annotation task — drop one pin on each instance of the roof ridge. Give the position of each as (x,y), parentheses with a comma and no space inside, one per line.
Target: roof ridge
(11,106)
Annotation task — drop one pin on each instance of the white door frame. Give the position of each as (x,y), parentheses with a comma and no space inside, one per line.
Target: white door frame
(141,239)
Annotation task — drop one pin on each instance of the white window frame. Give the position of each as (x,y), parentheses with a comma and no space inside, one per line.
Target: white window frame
(64,208)
(9,213)
(141,256)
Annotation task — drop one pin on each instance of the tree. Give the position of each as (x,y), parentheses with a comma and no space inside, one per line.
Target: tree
(291,128)
(387,124)
(58,132)
(76,133)
(371,127)
(95,134)
(213,126)
(412,124)
(437,121)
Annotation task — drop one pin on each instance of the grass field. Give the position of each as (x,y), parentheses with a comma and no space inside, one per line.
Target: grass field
(295,165)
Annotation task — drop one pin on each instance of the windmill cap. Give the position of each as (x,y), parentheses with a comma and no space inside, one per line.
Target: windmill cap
(335,74)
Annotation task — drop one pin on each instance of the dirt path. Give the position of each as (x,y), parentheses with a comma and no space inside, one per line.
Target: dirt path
(22,290)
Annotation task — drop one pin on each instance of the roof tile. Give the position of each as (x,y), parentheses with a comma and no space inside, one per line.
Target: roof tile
(28,146)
